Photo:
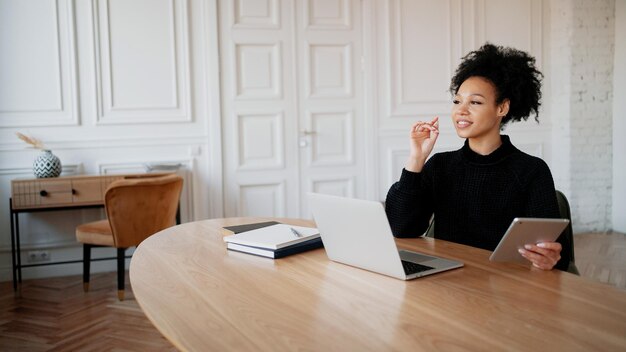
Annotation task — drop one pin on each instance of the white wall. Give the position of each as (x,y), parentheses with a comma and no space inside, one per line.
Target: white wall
(582,66)
(619,120)
(419,46)
(109,85)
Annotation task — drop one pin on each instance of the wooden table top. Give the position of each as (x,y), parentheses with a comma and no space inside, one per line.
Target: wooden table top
(203,297)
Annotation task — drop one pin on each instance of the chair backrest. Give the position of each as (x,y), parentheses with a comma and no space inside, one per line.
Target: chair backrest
(430,231)
(565,213)
(140,207)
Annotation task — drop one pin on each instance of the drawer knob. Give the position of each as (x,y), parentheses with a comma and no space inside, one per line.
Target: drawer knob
(74,191)
(43,193)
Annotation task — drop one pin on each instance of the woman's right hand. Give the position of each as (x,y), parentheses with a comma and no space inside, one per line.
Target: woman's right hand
(422,137)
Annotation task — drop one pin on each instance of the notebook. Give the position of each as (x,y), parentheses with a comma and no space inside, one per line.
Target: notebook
(267,250)
(357,233)
(277,253)
(273,237)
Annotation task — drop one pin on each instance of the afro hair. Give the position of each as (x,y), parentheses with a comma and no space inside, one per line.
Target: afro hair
(512,72)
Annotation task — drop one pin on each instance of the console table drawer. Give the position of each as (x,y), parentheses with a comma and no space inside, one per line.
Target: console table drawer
(32,194)
(87,191)
(53,192)
(65,191)
(60,192)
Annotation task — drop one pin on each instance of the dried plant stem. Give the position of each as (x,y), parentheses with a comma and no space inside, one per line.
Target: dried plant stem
(34,142)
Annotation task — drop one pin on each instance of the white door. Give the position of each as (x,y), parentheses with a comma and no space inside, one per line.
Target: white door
(331,106)
(292,103)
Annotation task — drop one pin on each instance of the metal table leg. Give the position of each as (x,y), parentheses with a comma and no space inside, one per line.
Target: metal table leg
(13,259)
(18,251)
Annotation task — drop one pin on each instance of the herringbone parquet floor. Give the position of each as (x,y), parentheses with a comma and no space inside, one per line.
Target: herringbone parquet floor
(602,257)
(56,315)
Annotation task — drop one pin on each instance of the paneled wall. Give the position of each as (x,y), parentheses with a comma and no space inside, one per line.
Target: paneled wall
(109,86)
(262,101)
(420,44)
(42,67)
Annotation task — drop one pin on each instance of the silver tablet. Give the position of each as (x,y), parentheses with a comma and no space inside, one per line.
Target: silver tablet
(526,231)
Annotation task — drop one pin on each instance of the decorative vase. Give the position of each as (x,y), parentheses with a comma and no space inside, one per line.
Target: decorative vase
(47,165)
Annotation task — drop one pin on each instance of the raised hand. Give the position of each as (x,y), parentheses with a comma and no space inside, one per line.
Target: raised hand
(423,136)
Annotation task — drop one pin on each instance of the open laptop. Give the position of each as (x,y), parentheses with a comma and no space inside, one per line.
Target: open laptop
(356,232)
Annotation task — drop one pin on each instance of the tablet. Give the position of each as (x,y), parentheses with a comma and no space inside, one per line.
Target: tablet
(524,231)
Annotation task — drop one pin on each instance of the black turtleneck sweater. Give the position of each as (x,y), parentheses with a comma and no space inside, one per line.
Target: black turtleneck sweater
(474,197)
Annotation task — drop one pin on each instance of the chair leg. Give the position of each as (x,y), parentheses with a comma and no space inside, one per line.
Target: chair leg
(86,265)
(121,267)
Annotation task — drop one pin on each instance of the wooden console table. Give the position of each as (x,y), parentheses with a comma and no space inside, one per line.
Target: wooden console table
(59,193)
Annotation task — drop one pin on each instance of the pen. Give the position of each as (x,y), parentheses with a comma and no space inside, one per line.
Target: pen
(298,234)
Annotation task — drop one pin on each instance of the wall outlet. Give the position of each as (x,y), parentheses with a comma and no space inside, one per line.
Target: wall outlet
(38,256)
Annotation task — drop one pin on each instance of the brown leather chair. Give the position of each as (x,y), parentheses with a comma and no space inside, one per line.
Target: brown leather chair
(136,209)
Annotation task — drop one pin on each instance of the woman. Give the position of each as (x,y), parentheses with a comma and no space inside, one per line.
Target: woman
(476,191)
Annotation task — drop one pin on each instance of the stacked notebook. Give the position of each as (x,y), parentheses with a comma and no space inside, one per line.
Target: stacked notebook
(272,239)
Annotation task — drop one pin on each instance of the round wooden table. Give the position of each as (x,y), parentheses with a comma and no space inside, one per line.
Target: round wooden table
(203,297)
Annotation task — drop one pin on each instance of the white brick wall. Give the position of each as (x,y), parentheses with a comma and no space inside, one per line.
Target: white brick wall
(582,37)
(619,120)
(561,23)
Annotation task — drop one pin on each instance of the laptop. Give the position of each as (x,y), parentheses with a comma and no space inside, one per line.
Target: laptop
(357,233)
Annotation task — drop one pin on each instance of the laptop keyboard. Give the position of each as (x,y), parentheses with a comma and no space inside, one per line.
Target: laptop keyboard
(413,268)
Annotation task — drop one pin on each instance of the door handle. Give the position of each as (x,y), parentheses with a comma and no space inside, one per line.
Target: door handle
(303,140)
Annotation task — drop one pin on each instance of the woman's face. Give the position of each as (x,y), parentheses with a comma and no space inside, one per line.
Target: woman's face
(475,113)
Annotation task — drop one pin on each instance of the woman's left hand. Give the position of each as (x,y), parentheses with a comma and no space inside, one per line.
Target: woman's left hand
(543,255)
